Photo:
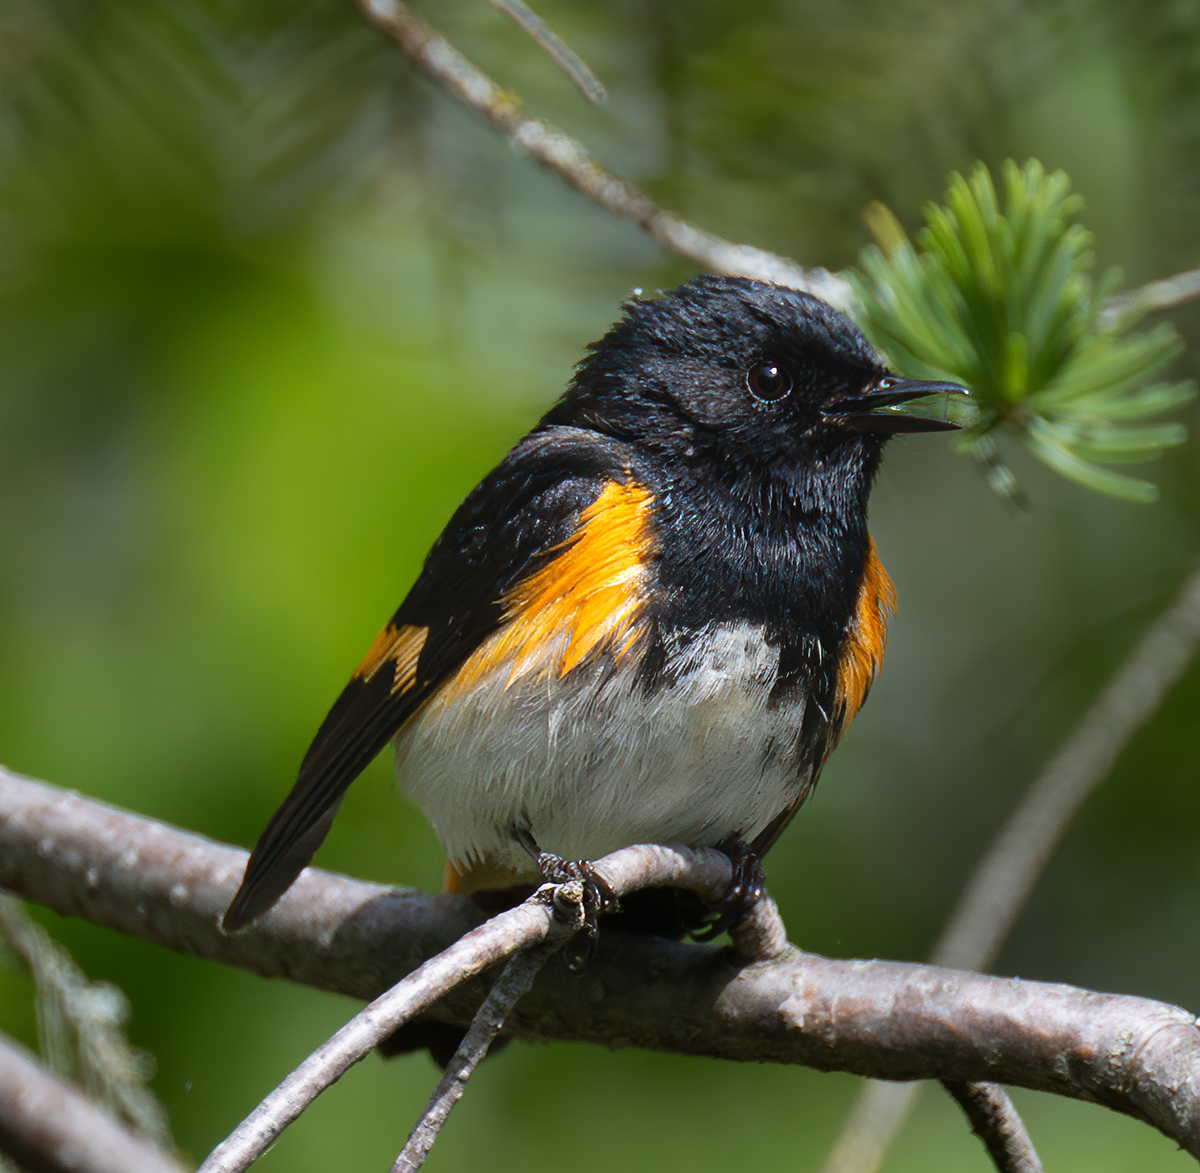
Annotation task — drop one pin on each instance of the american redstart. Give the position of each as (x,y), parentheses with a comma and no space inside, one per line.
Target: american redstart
(652,622)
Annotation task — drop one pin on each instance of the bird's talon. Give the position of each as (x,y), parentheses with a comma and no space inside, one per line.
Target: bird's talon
(746,888)
(593,897)
(577,952)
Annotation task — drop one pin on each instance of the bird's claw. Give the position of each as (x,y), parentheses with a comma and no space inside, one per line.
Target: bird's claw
(745,890)
(597,899)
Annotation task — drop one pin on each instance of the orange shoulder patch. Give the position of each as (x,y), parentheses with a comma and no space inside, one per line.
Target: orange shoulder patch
(588,595)
(398,647)
(866,638)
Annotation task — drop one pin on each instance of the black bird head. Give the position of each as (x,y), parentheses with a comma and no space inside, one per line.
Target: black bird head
(739,375)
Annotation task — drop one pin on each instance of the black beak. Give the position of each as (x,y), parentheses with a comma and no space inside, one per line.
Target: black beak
(894,405)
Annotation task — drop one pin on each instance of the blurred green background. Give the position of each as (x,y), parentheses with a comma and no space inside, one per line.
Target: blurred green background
(270,305)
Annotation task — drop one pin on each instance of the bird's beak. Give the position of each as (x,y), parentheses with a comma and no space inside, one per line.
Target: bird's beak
(902,405)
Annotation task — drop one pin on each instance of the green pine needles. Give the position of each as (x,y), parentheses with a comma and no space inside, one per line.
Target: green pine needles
(1004,303)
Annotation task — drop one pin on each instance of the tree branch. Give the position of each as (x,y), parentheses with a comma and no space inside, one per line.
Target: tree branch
(567,158)
(477,951)
(1004,879)
(48,1127)
(883,1019)
(550,914)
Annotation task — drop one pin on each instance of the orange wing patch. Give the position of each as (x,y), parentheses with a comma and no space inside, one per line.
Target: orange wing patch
(401,648)
(587,596)
(866,638)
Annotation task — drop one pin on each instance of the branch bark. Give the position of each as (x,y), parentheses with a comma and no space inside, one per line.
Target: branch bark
(551,914)
(883,1019)
(995,1121)
(48,1127)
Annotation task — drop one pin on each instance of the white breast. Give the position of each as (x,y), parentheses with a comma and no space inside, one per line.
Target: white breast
(589,762)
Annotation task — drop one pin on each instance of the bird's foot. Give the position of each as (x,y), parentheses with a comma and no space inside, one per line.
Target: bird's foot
(745,890)
(597,900)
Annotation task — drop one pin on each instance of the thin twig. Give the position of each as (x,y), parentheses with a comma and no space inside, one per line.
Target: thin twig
(566,157)
(48,1127)
(584,80)
(510,987)
(995,1121)
(1006,876)
(526,925)
(537,919)
(1167,294)
(876,1116)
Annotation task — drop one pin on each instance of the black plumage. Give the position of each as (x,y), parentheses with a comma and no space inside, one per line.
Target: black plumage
(706,471)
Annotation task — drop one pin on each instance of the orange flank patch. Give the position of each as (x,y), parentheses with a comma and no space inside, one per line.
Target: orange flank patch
(587,596)
(866,638)
(401,648)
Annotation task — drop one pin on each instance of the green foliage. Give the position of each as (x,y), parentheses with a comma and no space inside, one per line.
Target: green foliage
(1004,303)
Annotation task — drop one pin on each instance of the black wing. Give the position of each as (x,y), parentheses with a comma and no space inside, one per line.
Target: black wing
(522,510)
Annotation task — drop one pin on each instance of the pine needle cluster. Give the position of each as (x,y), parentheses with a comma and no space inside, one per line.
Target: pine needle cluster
(1003,301)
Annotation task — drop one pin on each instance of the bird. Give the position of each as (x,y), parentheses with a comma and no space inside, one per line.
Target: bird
(652,622)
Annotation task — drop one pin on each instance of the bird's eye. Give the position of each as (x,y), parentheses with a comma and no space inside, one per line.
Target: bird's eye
(768,382)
